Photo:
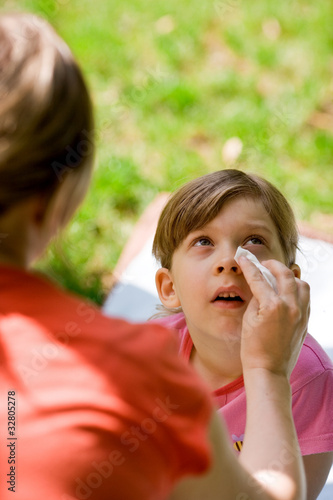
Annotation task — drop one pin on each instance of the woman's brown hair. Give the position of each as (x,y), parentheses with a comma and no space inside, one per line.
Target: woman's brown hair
(46,120)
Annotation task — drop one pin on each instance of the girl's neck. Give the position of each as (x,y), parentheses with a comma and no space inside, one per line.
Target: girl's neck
(217,366)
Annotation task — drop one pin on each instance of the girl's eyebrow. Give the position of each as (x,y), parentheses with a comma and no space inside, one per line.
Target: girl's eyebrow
(255,225)
(258,225)
(251,225)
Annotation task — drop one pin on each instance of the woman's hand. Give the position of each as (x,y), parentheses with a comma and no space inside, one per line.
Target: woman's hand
(275,323)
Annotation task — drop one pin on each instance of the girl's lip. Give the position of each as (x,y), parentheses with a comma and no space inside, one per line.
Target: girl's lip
(228,305)
(229,289)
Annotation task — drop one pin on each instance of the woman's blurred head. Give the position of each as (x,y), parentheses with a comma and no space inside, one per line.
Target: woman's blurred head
(46,119)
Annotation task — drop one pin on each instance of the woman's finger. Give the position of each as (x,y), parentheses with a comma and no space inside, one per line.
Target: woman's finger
(259,286)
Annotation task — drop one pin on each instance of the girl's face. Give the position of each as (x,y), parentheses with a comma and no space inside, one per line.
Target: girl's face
(205,279)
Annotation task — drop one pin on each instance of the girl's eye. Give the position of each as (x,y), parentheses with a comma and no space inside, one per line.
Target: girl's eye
(202,242)
(255,240)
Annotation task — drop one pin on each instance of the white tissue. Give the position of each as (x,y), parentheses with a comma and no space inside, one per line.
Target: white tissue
(264,271)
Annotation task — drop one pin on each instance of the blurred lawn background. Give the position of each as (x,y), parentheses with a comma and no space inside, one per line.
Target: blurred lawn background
(183,88)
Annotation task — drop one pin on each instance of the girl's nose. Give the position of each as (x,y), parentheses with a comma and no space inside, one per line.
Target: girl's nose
(227,265)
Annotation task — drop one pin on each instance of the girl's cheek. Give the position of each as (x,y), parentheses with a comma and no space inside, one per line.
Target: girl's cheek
(260,251)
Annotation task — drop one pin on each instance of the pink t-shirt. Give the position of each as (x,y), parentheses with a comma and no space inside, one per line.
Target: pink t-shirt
(312,394)
(97,408)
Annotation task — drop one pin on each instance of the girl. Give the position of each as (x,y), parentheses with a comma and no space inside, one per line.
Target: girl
(196,240)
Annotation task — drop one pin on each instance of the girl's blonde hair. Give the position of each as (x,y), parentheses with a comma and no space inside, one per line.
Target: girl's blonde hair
(199,201)
(46,120)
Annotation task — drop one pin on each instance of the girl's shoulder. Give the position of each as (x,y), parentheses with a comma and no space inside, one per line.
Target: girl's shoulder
(312,364)
(175,321)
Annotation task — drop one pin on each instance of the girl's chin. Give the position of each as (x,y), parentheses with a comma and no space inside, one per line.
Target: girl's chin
(230,333)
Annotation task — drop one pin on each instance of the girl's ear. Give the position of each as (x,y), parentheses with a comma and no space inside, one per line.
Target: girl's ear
(296,270)
(165,288)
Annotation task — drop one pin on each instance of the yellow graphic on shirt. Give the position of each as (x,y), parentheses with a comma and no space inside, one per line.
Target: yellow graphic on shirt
(238,441)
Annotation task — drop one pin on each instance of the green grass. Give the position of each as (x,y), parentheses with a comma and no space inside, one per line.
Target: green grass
(171,84)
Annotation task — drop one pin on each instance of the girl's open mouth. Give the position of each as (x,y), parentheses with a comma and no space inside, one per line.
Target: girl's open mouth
(228,298)
(237,298)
